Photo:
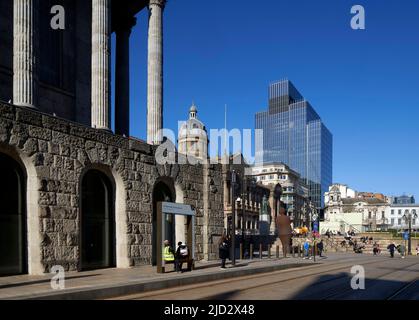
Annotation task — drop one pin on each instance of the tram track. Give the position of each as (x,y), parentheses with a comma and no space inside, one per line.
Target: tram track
(334,295)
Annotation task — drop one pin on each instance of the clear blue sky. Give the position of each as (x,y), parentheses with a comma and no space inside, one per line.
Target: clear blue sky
(364,84)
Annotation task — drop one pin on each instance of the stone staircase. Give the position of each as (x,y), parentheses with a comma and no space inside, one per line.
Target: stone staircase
(333,244)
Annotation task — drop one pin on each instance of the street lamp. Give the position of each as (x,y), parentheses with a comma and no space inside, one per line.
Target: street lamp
(233,217)
(408,219)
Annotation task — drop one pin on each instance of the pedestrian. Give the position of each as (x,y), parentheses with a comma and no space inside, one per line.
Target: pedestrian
(306,247)
(376,248)
(168,253)
(402,250)
(391,247)
(320,247)
(182,254)
(417,250)
(223,251)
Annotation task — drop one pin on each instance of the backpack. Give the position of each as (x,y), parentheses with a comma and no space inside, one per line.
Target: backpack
(183,251)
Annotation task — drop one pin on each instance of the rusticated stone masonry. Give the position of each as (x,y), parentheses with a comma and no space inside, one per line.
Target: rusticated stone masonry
(60,152)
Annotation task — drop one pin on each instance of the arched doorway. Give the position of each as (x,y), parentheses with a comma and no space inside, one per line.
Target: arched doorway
(162,192)
(97,222)
(12,218)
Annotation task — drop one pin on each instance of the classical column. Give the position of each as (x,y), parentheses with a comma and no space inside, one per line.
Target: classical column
(25,80)
(101,29)
(123,32)
(155,72)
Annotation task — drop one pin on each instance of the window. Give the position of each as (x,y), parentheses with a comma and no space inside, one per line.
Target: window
(392,211)
(400,211)
(392,221)
(399,222)
(414,221)
(383,215)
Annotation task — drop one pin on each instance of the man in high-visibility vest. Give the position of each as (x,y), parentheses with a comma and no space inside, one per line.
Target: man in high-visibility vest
(168,253)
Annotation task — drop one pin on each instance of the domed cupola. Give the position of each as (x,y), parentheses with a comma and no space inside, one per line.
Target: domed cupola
(192,136)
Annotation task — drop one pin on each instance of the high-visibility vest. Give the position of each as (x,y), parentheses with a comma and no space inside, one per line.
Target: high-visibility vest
(167,255)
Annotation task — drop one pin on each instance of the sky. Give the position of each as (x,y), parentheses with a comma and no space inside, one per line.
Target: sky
(363,83)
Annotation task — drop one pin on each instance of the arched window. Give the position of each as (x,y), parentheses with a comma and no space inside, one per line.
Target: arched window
(12,218)
(97,221)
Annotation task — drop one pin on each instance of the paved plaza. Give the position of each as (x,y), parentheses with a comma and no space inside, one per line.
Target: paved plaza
(290,278)
(385,279)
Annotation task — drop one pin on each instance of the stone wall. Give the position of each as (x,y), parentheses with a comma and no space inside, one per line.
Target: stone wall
(60,153)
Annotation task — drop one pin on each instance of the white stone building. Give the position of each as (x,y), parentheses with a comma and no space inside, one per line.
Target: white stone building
(344,190)
(345,211)
(396,214)
(294,191)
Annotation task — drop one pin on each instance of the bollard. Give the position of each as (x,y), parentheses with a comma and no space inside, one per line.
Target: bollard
(241,251)
(260,251)
(277,251)
(269,251)
(251,251)
(299,251)
(293,251)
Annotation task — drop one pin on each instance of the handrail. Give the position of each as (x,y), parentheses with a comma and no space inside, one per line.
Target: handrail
(350,225)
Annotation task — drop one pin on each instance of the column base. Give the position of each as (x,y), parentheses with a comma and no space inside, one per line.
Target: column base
(104,129)
(25,105)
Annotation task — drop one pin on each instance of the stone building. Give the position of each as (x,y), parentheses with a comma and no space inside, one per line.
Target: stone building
(193,137)
(73,193)
(398,215)
(343,212)
(248,196)
(294,192)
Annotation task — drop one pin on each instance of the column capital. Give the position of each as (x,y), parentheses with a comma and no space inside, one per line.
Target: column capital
(160,3)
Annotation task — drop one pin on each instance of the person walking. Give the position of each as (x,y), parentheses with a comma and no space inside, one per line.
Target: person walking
(417,250)
(223,251)
(391,247)
(320,247)
(402,251)
(284,229)
(306,247)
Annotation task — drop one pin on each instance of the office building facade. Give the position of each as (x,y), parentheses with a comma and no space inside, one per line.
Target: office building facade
(294,134)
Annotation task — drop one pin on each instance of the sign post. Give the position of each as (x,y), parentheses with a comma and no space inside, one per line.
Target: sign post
(164,208)
(406,235)
(315,232)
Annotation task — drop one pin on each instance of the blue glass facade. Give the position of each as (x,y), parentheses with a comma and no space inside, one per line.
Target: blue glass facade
(294,134)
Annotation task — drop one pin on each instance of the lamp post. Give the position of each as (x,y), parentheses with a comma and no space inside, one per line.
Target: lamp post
(233,218)
(244,195)
(408,219)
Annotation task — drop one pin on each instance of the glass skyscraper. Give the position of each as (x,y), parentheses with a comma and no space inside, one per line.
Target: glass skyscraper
(294,134)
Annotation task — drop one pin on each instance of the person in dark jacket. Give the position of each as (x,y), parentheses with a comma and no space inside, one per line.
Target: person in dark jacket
(320,247)
(391,247)
(223,250)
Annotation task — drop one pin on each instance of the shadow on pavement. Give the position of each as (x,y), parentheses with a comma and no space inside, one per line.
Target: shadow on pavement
(27,283)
